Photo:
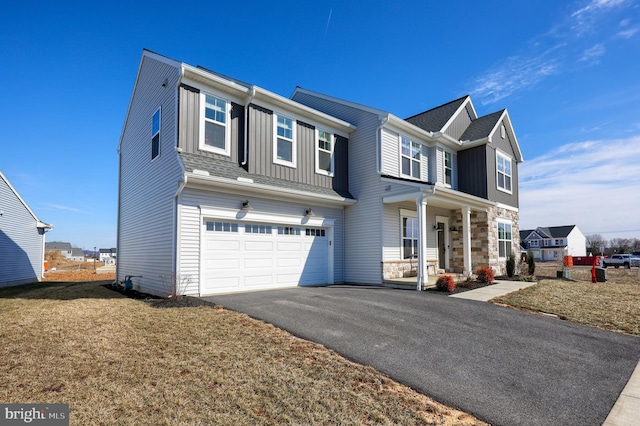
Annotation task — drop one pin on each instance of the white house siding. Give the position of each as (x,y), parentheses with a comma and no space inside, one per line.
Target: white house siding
(21,243)
(146,195)
(390,153)
(190,226)
(576,243)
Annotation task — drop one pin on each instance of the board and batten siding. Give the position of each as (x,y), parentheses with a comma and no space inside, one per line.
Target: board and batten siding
(146,211)
(472,178)
(459,124)
(363,221)
(21,242)
(190,227)
(190,126)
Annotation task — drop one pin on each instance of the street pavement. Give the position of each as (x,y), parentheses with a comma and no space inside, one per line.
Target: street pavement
(502,365)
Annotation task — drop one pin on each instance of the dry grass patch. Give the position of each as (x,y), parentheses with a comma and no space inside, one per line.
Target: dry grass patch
(120,361)
(612,305)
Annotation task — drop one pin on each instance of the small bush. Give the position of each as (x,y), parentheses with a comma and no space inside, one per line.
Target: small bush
(485,275)
(531,262)
(446,283)
(511,265)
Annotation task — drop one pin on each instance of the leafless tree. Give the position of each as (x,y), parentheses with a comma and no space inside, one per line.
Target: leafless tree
(596,244)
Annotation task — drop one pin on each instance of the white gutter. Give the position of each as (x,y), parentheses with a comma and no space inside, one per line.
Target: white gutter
(383,121)
(252,95)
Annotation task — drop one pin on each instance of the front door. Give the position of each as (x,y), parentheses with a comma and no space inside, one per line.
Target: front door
(442,247)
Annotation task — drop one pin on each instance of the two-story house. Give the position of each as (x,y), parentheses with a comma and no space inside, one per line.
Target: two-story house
(554,242)
(229,187)
(440,186)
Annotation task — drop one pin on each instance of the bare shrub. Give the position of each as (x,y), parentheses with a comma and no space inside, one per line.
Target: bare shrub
(175,284)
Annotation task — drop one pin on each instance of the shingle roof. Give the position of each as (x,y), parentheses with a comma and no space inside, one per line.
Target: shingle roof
(57,245)
(481,127)
(231,170)
(549,231)
(434,119)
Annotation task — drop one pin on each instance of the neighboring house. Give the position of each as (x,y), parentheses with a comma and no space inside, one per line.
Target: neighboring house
(22,239)
(71,253)
(554,242)
(108,256)
(225,186)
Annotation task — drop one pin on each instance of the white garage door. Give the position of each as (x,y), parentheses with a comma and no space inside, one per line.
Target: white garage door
(253,256)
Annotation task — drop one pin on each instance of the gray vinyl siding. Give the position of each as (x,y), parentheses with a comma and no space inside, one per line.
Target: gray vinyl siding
(390,153)
(21,242)
(363,221)
(472,175)
(190,227)
(146,213)
(459,124)
(261,150)
(493,193)
(189,126)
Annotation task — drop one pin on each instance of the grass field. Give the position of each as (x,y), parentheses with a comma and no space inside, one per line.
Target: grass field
(117,360)
(613,305)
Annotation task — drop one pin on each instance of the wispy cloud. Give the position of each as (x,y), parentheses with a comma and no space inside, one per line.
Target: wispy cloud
(592,184)
(567,38)
(593,54)
(64,208)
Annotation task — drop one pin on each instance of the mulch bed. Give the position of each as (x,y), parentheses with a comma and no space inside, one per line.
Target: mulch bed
(160,302)
(461,287)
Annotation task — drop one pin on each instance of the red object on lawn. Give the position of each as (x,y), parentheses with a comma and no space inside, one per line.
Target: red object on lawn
(596,261)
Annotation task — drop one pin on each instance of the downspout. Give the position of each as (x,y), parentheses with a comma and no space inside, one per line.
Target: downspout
(176,220)
(246,125)
(383,121)
(422,229)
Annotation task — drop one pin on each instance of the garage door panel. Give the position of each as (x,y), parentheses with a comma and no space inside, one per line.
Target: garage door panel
(237,261)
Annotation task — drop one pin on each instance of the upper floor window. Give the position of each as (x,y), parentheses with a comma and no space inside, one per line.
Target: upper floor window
(410,158)
(533,243)
(285,144)
(215,119)
(155,134)
(504,239)
(448,168)
(324,153)
(559,242)
(504,172)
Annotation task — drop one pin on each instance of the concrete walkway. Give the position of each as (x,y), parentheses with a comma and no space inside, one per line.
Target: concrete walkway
(626,410)
(484,294)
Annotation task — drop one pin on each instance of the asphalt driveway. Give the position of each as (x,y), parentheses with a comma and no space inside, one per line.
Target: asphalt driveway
(504,366)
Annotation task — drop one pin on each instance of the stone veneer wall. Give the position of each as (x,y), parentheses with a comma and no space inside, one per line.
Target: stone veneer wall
(392,269)
(484,239)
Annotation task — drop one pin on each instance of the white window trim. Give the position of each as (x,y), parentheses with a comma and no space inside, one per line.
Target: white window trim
(506,157)
(317,152)
(507,222)
(294,150)
(444,168)
(401,155)
(406,214)
(159,133)
(227,126)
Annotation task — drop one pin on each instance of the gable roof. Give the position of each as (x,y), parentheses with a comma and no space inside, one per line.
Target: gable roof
(548,232)
(57,245)
(435,119)
(39,223)
(482,127)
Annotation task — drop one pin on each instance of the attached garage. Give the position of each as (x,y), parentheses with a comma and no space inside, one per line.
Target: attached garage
(257,255)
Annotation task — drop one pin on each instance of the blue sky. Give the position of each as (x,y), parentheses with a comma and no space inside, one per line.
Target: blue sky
(568,72)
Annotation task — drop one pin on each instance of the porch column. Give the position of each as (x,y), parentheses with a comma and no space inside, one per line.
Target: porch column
(466,239)
(422,242)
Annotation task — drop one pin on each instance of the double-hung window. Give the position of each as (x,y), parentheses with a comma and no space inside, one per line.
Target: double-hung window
(504,172)
(409,237)
(448,168)
(504,239)
(215,122)
(285,144)
(324,153)
(155,134)
(410,158)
